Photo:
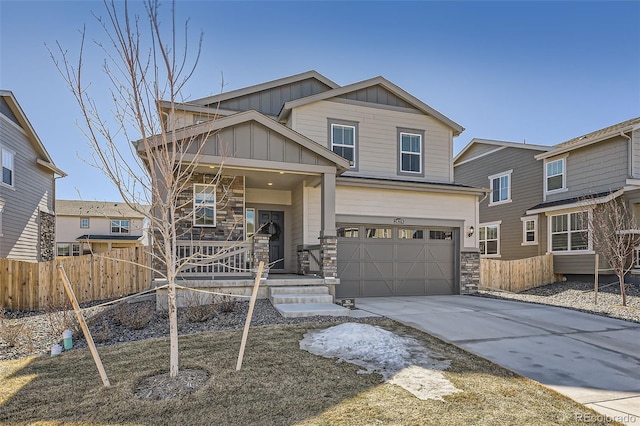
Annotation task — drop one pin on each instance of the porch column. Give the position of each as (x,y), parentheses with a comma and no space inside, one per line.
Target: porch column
(261,253)
(328,239)
(328,206)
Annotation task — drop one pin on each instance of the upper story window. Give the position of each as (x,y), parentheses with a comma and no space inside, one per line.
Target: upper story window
(411,147)
(489,237)
(500,187)
(120,226)
(8,170)
(204,205)
(344,140)
(555,177)
(84,222)
(570,232)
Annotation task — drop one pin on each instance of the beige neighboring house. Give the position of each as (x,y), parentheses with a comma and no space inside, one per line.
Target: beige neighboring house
(27,187)
(351,183)
(83,227)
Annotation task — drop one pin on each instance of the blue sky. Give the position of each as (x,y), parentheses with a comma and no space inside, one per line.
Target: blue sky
(543,72)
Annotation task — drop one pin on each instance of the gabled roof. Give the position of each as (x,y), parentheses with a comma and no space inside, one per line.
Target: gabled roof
(381,81)
(107,209)
(252,115)
(500,144)
(593,137)
(45,159)
(265,86)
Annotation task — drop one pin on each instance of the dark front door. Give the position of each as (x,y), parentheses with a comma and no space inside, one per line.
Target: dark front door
(272,222)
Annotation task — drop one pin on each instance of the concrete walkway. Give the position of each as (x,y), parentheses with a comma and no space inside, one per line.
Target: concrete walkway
(592,359)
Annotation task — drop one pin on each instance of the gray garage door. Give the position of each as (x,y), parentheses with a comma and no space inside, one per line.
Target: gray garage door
(395,261)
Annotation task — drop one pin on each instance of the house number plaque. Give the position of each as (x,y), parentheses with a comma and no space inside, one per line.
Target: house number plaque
(398,221)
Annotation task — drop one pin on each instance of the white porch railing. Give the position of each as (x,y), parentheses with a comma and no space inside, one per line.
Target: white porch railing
(636,257)
(214,258)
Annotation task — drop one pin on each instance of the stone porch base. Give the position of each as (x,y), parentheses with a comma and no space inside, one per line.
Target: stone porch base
(239,286)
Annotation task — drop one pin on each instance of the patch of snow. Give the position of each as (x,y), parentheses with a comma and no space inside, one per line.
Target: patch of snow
(401,361)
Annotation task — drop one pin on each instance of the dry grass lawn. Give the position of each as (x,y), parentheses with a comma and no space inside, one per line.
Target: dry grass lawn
(279,384)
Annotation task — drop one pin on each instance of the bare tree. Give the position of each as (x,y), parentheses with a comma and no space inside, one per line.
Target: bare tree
(144,65)
(615,234)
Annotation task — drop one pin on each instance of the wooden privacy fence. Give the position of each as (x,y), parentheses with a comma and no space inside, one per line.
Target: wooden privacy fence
(31,286)
(517,275)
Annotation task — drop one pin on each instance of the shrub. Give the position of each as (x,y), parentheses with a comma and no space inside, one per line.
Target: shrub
(226,304)
(196,308)
(15,335)
(61,318)
(135,316)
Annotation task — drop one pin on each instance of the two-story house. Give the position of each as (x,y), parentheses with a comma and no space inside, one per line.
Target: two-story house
(564,183)
(513,175)
(85,227)
(27,188)
(362,173)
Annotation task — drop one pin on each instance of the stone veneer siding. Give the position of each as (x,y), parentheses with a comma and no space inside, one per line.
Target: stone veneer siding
(261,253)
(329,256)
(47,237)
(229,211)
(469,271)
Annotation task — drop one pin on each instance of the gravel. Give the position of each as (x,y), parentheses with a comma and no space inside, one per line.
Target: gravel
(580,296)
(128,322)
(35,332)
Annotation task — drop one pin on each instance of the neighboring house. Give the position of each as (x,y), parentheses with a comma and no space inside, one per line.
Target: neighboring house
(357,178)
(513,175)
(599,166)
(27,189)
(85,227)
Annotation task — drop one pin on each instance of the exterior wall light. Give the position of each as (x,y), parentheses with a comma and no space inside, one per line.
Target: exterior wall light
(471,231)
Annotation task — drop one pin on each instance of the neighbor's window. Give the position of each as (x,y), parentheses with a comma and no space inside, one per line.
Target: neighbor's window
(343,141)
(84,222)
(410,152)
(489,237)
(500,187)
(204,205)
(7,167)
(569,232)
(378,232)
(348,232)
(529,231)
(555,177)
(68,249)
(120,226)
(410,234)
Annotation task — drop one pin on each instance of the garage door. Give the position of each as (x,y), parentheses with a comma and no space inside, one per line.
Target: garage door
(395,261)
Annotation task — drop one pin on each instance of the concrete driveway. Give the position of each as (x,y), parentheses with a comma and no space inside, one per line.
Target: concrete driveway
(592,359)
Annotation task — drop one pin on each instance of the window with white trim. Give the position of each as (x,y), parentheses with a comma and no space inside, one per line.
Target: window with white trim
(68,249)
(529,230)
(410,153)
(555,178)
(8,171)
(343,141)
(489,238)
(500,185)
(120,226)
(204,205)
(569,232)
(84,222)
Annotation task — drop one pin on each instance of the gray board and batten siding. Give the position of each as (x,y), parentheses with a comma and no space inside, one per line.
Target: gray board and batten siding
(377,95)
(270,101)
(596,168)
(32,192)
(526,180)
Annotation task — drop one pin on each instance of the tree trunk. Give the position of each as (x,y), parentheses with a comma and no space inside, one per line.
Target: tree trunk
(622,290)
(173,329)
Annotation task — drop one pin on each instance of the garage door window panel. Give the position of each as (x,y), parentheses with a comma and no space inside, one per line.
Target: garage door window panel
(382,233)
(410,234)
(348,232)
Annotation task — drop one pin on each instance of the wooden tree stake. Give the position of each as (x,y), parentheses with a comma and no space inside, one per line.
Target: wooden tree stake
(83,324)
(252,303)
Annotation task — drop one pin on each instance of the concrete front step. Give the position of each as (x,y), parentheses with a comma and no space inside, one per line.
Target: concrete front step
(294,310)
(280,299)
(303,289)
